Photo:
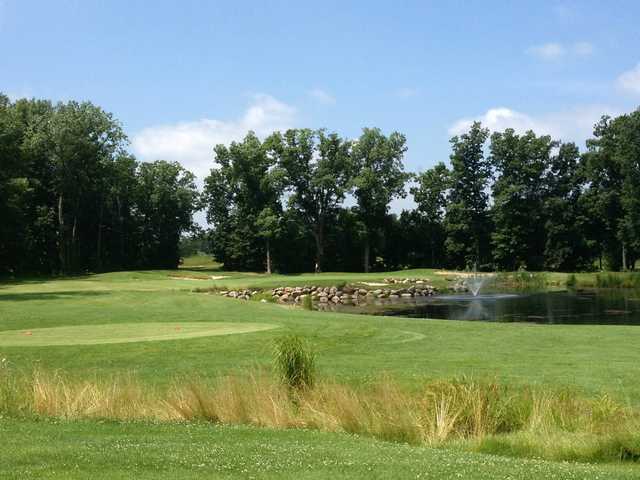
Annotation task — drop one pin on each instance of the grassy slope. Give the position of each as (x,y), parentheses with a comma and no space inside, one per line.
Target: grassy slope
(593,359)
(81,450)
(353,348)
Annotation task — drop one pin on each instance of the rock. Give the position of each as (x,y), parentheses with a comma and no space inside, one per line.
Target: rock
(324,299)
(264,300)
(362,291)
(393,296)
(335,299)
(406,295)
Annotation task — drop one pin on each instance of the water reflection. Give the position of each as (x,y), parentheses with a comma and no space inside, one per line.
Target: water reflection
(584,307)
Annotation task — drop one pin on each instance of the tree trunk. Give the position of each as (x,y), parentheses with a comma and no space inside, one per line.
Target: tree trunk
(624,257)
(268,257)
(318,235)
(74,248)
(367,249)
(600,259)
(62,251)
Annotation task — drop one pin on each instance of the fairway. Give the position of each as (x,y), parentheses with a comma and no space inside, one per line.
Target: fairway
(123,333)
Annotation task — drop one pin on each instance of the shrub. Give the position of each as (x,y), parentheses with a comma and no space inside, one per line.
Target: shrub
(618,280)
(307,302)
(571,281)
(295,362)
(522,280)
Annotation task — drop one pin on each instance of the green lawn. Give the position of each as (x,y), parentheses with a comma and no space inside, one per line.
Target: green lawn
(123,333)
(592,360)
(80,450)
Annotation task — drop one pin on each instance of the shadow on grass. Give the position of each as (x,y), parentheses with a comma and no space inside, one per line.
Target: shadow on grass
(61,295)
(6,282)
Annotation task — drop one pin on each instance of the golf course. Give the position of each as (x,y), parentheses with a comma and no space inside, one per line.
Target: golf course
(105,354)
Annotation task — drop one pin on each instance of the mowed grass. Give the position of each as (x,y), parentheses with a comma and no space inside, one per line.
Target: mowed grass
(122,333)
(79,450)
(350,348)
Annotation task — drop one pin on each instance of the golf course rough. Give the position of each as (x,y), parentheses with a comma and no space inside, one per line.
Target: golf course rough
(123,333)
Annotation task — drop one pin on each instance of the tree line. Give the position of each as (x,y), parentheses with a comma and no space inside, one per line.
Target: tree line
(307,199)
(73,199)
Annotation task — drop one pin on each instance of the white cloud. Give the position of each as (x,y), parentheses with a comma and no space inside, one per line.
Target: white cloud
(569,125)
(322,96)
(630,81)
(191,143)
(556,51)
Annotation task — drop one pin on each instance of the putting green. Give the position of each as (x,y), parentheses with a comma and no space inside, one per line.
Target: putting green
(123,333)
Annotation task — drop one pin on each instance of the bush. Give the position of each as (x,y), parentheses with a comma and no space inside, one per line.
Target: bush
(571,281)
(307,302)
(295,362)
(522,280)
(618,280)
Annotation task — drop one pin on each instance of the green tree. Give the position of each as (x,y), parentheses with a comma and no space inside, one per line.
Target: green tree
(566,247)
(316,171)
(244,186)
(430,195)
(467,222)
(613,175)
(379,179)
(80,140)
(269,227)
(520,162)
(166,200)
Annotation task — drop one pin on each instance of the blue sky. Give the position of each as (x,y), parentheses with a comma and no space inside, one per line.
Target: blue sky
(182,76)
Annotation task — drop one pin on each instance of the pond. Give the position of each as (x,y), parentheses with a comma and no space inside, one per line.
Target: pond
(619,307)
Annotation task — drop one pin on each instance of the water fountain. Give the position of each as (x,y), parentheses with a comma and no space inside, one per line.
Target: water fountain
(474,283)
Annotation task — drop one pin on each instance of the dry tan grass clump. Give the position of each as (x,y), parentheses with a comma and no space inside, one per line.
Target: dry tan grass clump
(477,415)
